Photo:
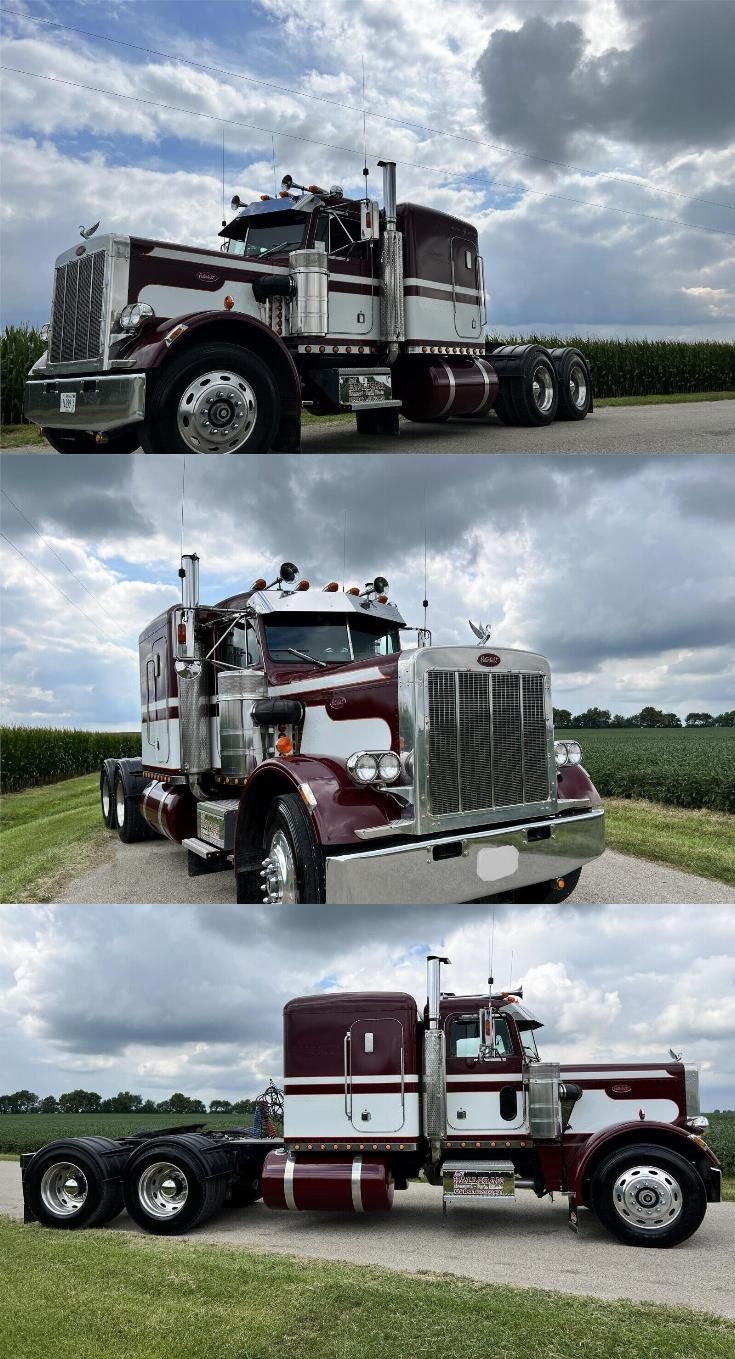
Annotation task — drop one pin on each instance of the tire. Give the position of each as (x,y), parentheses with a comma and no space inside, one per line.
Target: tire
(682,1196)
(289,843)
(107,799)
(168,1188)
(94,1165)
(575,384)
(246,1191)
(129,823)
(548,893)
(81,441)
(535,394)
(177,403)
(503,403)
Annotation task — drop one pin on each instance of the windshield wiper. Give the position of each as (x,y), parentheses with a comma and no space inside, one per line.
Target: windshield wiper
(303,655)
(272,248)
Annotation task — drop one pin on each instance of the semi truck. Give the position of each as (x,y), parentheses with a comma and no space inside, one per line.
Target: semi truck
(314,301)
(290,734)
(377,1094)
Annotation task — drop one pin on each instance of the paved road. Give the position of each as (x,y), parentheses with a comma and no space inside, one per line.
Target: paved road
(526,1242)
(696,427)
(156,871)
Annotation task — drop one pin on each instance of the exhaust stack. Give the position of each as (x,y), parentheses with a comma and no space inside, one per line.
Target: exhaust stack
(189,574)
(392,321)
(434,1098)
(433,987)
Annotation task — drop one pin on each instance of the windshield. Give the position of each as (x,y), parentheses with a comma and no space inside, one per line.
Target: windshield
(262,239)
(528,1043)
(331,641)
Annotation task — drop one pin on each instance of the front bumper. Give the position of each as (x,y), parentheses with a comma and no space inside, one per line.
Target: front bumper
(99,403)
(457,868)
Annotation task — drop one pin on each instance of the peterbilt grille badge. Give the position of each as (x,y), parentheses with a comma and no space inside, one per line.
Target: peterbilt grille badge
(620,1088)
(338,701)
(206,278)
(488,658)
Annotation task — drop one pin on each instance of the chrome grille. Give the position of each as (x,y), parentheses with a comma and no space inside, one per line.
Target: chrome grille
(76,314)
(487,740)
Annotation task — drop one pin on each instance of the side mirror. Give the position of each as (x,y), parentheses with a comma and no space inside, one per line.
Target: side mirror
(369,220)
(487,1035)
(186,663)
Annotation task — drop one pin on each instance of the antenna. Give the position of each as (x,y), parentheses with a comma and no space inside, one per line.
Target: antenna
(344,551)
(183,495)
(224,219)
(425,601)
(491,957)
(510,977)
(365,170)
(273,158)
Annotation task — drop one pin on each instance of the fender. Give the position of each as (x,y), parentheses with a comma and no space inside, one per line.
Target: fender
(151,348)
(668,1134)
(341,807)
(508,359)
(573,781)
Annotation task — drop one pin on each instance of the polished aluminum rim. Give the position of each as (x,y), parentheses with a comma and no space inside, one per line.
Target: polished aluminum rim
(278,875)
(105,795)
(543,388)
(647,1197)
(64,1189)
(120,803)
(217,413)
(578,386)
(163,1189)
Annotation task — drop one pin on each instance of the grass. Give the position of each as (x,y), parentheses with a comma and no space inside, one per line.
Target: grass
(151,1299)
(28,1132)
(699,841)
(48,836)
(20,436)
(673,398)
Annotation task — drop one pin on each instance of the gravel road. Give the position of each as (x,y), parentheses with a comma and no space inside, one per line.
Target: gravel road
(156,871)
(694,427)
(526,1242)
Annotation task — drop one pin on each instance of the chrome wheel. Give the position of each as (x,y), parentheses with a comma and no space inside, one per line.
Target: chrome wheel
(163,1189)
(120,803)
(105,796)
(64,1189)
(647,1197)
(578,386)
(542,387)
(278,876)
(217,413)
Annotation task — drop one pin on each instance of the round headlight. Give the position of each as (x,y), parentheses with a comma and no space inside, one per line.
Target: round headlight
(131,316)
(574,752)
(389,767)
(363,768)
(560,753)
(45,331)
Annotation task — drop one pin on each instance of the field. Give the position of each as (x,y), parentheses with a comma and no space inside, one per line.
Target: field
(154,1299)
(48,835)
(28,1132)
(36,755)
(680,767)
(623,367)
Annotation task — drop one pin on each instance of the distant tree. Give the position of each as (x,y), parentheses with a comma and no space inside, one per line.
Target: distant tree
(80,1102)
(220,1106)
(651,717)
(699,720)
(148,1107)
(726,719)
(562,718)
(123,1103)
(243,1106)
(593,717)
(670,720)
(20,1102)
(49,1105)
(181,1104)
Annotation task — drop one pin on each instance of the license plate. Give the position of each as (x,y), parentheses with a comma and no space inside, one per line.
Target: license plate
(68,402)
(365,388)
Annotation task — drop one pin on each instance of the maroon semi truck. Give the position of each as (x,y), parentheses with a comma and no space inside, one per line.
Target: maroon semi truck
(288,734)
(315,301)
(376,1094)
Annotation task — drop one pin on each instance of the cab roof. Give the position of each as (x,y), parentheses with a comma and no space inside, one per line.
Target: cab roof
(335,603)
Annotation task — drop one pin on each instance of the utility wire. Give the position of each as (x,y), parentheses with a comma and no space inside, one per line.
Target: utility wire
(464,177)
(45,541)
(353,108)
(52,583)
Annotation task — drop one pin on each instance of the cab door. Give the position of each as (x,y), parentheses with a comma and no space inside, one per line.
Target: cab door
(483,1097)
(466,289)
(375,1067)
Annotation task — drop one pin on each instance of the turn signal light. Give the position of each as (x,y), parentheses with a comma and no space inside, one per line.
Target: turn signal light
(303,585)
(265,198)
(260,584)
(228,303)
(331,587)
(182,634)
(353,590)
(382,599)
(284,745)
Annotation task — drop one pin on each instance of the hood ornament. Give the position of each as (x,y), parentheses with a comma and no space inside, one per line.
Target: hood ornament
(86,232)
(481,631)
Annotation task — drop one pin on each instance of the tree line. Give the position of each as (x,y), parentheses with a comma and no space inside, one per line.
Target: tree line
(125,1102)
(647,717)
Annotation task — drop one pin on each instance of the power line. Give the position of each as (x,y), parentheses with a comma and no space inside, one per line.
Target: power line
(353,108)
(54,586)
(45,541)
(466,177)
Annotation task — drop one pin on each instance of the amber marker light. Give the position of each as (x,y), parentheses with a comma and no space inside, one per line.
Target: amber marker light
(353,590)
(228,303)
(260,584)
(382,599)
(303,585)
(284,745)
(331,587)
(182,634)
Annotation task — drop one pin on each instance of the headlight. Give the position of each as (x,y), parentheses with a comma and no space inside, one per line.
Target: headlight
(131,316)
(567,752)
(45,331)
(374,766)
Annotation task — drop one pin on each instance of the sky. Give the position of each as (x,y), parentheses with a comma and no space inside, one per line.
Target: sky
(156,998)
(591,142)
(620,570)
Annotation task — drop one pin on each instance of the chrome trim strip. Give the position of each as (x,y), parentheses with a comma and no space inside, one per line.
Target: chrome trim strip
(288,1192)
(452,388)
(357,1184)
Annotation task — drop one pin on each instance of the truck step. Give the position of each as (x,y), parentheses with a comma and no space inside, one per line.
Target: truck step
(478,1180)
(201,848)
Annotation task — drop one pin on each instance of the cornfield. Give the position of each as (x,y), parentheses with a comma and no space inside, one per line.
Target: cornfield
(678,766)
(648,367)
(28,1132)
(20,346)
(33,755)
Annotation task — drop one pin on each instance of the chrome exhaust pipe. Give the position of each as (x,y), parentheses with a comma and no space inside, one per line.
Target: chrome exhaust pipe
(433,987)
(189,575)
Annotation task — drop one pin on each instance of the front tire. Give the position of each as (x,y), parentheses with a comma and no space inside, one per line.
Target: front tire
(81,441)
(293,866)
(217,398)
(648,1196)
(548,893)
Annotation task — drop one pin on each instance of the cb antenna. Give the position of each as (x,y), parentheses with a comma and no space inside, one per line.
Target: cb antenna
(224,220)
(183,496)
(425,601)
(491,953)
(365,170)
(273,158)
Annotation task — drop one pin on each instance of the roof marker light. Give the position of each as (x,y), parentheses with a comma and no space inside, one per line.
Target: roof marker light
(303,585)
(331,587)
(228,303)
(353,590)
(260,584)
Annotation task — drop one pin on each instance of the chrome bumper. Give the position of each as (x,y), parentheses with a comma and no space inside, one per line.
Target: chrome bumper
(100,403)
(459,868)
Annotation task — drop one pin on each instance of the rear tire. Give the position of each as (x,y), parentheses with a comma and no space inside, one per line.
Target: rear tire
(548,893)
(648,1196)
(503,403)
(575,384)
(167,1190)
(290,846)
(107,799)
(67,1184)
(81,441)
(243,420)
(129,823)
(535,394)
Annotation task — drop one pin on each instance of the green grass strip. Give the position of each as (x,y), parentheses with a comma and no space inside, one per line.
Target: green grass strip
(138,1298)
(49,835)
(697,841)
